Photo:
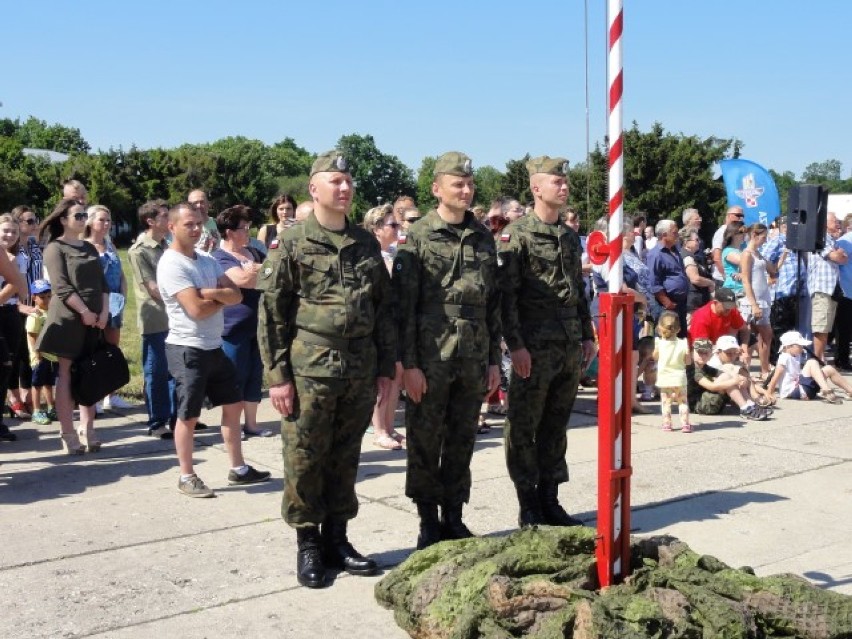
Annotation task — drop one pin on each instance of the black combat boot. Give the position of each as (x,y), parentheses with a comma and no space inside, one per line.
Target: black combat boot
(339,553)
(452,526)
(530,512)
(310,571)
(552,513)
(430,528)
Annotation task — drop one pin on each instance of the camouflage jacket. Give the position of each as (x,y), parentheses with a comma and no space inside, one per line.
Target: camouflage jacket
(446,292)
(325,312)
(542,284)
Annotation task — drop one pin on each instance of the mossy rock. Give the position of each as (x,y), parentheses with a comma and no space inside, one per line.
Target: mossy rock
(542,582)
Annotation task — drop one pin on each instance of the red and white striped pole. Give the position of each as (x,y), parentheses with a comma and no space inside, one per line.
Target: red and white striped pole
(615,338)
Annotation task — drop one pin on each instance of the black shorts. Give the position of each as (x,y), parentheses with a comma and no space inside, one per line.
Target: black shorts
(198,373)
(44,373)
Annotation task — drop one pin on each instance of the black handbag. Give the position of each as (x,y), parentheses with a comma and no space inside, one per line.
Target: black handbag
(98,373)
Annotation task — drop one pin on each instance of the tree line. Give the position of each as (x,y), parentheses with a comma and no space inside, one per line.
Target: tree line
(664,173)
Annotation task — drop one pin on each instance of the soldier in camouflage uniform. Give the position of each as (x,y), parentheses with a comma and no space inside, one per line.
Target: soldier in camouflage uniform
(548,330)
(445,286)
(328,340)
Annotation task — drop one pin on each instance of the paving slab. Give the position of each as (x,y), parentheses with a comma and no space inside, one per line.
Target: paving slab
(104,545)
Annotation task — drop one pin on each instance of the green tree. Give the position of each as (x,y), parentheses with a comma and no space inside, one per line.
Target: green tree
(14,181)
(489,185)
(38,134)
(822,172)
(516,180)
(378,177)
(425,177)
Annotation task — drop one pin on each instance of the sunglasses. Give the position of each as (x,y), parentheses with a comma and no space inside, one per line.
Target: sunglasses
(411,220)
(79,216)
(30,221)
(393,225)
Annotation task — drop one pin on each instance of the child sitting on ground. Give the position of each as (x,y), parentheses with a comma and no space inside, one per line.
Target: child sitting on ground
(726,358)
(44,365)
(804,382)
(672,355)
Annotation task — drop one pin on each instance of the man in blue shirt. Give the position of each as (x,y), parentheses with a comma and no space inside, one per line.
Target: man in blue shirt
(843,325)
(669,282)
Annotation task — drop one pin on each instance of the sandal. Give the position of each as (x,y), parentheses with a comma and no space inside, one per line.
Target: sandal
(686,428)
(830,397)
(496,409)
(387,442)
(483,426)
(89,439)
(18,411)
(667,426)
(399,437)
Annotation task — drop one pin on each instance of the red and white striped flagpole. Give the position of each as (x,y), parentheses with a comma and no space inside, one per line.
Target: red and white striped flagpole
(615,336)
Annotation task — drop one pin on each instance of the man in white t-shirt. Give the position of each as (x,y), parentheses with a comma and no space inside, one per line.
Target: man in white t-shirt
(195,289)
(734,214)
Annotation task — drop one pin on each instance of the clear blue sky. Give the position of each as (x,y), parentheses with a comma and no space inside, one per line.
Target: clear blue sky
(495,79)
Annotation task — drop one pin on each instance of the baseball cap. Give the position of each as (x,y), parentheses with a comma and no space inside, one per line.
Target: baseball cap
(453,163)
(330,161)
(42,286)
(726,343)
(725,296)
(791,338)
(702,344)
(547,164)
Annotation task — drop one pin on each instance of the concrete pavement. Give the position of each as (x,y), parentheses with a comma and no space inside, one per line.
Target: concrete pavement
(105,546)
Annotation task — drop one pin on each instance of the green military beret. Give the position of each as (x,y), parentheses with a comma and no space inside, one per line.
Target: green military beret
(546,164)
(330,161)
(453,163)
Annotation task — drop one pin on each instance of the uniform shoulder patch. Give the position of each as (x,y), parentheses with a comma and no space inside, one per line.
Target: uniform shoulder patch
(402,239)
(274,244)
(505,237)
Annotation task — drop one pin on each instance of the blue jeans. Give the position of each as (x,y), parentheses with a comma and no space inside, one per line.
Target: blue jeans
(240,346)
(159,385)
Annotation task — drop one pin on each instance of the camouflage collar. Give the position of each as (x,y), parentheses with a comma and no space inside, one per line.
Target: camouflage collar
(432,221)
(315,231)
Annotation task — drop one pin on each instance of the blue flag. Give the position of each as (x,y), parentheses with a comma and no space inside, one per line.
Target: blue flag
(750,186)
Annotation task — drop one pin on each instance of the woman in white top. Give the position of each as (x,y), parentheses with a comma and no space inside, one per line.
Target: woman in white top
(755,304)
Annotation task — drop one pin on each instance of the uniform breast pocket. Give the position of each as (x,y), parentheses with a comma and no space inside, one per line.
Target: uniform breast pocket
(316,273)
(543,257)
(487,262)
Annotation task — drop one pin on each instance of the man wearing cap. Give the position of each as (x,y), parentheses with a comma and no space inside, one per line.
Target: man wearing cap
(733,214)
(719,317)
(548,330)
(328,344)
(445,288)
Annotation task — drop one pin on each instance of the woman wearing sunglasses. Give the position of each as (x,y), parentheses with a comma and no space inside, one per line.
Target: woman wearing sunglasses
(80,300)
(30,263)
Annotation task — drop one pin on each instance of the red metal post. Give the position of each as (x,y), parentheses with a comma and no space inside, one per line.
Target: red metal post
(615,382)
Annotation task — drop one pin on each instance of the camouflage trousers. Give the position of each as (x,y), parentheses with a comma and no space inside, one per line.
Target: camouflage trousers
(441,431)
(535,433)
(321,445)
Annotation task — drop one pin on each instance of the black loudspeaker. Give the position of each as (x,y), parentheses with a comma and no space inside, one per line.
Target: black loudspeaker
(807,208)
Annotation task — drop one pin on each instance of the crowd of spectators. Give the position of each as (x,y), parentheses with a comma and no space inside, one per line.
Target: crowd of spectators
(745,285)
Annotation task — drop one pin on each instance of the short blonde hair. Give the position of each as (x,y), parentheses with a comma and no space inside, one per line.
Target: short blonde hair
(374,218)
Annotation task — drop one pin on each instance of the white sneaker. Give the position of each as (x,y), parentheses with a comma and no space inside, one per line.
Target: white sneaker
(115,401)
